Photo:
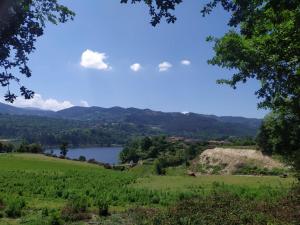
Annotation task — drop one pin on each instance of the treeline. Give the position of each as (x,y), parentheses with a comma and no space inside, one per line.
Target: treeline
(164,152)
(53,131)
(6,147)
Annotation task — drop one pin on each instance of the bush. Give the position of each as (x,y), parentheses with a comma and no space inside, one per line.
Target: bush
(14,207)
(82,158)
(30,148)
(159,167)
(92,161)
(119,168)
(247,169)
(103,207)
(55,219)
(75,209)
(6,147)
(224,208)
(2,205)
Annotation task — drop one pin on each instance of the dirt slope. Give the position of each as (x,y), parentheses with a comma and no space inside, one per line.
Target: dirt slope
(231,159)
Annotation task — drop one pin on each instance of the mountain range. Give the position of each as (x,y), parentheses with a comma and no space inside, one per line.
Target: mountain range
(118,122)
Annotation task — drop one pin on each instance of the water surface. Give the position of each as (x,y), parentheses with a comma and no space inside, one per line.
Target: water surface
(101,154)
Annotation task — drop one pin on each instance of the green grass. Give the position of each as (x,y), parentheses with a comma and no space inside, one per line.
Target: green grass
(45,182)
(184,182)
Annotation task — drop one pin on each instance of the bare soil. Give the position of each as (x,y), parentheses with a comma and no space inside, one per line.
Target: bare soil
(230,159)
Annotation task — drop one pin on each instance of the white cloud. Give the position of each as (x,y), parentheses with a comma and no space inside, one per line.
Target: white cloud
(84,103)
(136,67)
(94,60)
(186,62)
(164,66)
(45,104)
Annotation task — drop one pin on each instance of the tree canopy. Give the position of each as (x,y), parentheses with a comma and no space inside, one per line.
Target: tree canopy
(159,9)
(21,23)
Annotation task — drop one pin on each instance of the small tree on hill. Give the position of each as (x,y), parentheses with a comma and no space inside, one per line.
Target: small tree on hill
(64,149)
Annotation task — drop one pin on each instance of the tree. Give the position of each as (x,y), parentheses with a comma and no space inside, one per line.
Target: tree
(159,9)
(21,23)
(279,134)
(64,149)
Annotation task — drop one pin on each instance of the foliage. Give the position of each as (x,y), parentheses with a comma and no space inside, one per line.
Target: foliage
(24,147)
(14,207)
(6,147)
(246,141)
(54,131)
(29,148)
(103,207)
(249,169)
(75,209)
(82,158)
(64,149)
(266,47)
(223,207)
(159,167)
(279,134)
(167,152)
(98,126)
(21,23)
(159,9)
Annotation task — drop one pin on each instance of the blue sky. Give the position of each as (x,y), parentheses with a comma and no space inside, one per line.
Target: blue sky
(87,62)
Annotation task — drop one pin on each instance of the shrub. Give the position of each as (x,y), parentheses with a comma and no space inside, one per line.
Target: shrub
(92,161)
(75,209)
(224,208)
(118,167)
(6,147)
(107,166)
(55,219)
(45,212)
(30,148)
(14,207)
(247,169)
(82,158)
(155,199)
(2,205)
(103,207)
(159,167)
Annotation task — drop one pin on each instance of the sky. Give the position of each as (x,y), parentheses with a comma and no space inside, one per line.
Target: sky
(110,55)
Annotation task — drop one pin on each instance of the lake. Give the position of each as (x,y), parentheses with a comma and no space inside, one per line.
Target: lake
(101,154)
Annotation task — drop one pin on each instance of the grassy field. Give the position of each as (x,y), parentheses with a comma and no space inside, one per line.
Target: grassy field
(48,184)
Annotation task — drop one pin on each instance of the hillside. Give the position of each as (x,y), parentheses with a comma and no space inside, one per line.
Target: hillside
(116,125)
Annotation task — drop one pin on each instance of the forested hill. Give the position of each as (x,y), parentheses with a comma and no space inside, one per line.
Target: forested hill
(104,126)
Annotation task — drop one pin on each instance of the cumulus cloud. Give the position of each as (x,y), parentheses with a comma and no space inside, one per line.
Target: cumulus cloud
(39,102)
(164,66)
(84,103)
(94,60)
(136,67)
(186,62)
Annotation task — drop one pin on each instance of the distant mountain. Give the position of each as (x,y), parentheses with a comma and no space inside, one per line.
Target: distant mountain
(173,123)
(119,123)
(12,110)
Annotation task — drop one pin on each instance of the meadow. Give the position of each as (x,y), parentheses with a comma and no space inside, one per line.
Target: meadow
(35,189)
